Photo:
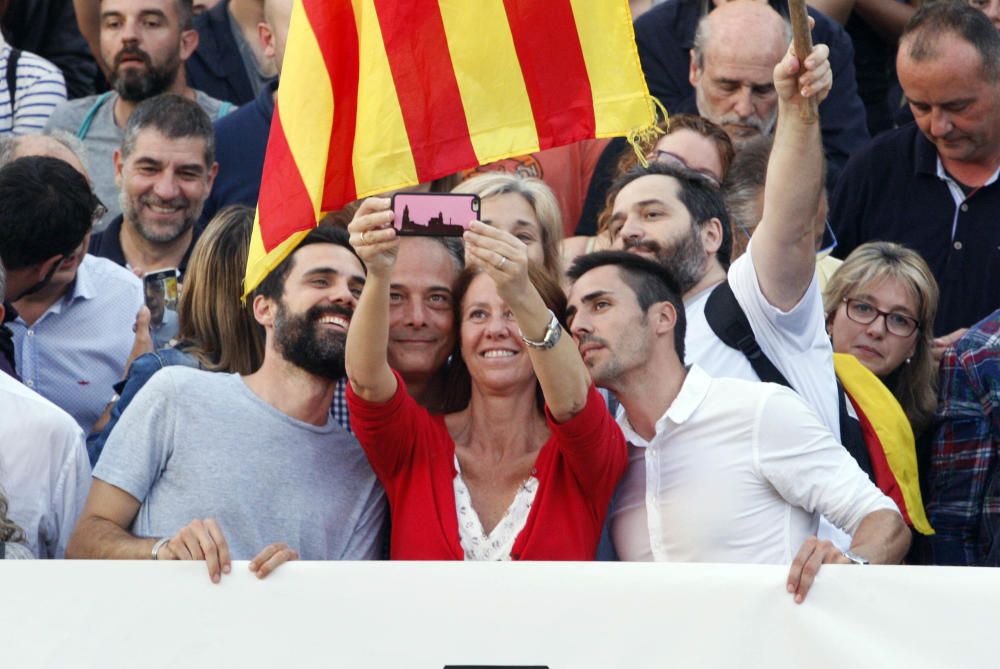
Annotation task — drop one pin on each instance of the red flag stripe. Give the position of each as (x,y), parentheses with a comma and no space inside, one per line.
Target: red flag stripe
(554,70)
(885,479)
(284,202)
(336,32)
(428,92)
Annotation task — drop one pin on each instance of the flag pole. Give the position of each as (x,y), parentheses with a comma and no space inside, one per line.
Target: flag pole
(802,39)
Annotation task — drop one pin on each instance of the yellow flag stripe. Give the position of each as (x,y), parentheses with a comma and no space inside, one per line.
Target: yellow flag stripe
(383,159)
(306,105)
(497,107)
(621,98)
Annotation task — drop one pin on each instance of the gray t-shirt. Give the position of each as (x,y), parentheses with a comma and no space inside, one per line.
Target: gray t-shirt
(103,137)
(196,444)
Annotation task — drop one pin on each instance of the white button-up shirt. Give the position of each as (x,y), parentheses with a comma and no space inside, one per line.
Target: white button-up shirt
(738,471)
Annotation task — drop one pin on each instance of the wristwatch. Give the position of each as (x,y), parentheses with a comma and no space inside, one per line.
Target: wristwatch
(855,558)
(552,334)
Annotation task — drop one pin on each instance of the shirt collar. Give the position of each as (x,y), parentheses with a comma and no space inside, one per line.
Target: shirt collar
(692,394)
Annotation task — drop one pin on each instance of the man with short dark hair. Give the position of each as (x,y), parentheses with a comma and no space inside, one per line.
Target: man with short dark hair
(933,185)
(73,335)
(40,225)
(165,167)
(720,470)
(255,461)
(144,44)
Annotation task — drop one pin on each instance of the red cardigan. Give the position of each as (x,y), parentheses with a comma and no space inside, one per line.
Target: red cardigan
(414,457)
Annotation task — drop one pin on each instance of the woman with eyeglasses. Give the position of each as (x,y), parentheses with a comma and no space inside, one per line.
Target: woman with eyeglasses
(880,307)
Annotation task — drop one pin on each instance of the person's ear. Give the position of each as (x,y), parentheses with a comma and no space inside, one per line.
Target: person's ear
(189,43)
(694,73)
(664,317)
(119,161)
(264,310)
(711,235)
(266,36)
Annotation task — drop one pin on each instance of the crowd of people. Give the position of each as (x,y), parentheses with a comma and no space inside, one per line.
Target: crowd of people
(755,338)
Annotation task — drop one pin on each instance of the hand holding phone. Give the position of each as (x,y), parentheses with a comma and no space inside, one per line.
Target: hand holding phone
(434,214)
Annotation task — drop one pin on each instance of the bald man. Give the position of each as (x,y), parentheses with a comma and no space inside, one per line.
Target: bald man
(665,37)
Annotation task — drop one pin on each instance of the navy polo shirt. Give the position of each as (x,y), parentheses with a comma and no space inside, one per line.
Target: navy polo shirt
(664,36)
(891,190)
(108,244)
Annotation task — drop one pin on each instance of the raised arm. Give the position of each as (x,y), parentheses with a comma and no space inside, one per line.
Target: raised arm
(560,369)
(374,238)
(783,248)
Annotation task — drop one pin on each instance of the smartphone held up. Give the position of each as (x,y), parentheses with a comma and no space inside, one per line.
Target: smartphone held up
(434,214)
(161,291)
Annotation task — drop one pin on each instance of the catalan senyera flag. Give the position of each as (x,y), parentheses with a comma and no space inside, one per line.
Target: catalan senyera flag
(889,437)
(378,95)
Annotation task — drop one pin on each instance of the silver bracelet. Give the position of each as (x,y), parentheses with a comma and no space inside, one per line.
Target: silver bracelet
(160,543)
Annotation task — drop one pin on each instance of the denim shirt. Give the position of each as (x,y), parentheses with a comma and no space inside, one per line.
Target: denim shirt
(139,373)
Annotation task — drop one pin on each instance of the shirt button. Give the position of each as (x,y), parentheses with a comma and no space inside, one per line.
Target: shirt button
(964,207)
(958,246)
(29,383)
(31,333)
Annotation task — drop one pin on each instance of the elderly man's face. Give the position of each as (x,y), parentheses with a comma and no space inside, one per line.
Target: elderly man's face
(954,105)
(735,89)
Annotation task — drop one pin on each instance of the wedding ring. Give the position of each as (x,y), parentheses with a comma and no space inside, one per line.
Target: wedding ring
(363,240)
(503,259)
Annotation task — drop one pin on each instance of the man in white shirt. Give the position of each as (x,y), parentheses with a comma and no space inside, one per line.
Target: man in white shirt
(44,471)
(720,470)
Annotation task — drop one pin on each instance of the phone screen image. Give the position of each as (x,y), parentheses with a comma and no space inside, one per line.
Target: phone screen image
(434,214)
(161,293)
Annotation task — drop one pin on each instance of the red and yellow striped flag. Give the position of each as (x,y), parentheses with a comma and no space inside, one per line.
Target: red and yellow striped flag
(378,95)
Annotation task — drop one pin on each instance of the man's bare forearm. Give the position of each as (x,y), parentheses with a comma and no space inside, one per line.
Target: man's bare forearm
(98,538)
(882,538)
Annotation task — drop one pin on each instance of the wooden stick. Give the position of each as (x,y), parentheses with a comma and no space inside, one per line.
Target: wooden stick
(803,47)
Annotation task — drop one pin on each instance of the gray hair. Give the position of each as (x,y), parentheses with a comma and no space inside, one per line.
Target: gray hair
(174,117)
(703,34)
(745,181)
(924,30)
(9,144)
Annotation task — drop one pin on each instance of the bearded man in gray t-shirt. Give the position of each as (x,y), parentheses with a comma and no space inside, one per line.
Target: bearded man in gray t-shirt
(215,467)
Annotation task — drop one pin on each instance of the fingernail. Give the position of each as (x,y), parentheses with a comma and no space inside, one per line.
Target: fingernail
(215,578)
(790,587)
(226,569)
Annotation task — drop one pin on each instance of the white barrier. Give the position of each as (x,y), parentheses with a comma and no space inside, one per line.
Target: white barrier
(431,615)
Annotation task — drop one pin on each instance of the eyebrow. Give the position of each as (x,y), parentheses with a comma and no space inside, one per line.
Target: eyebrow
(430,289)
(895,309)
(153,162)
(324,271)
(521,222)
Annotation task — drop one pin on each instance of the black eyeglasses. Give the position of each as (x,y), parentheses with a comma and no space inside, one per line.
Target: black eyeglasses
(672,159)
(99,212)
(900,325)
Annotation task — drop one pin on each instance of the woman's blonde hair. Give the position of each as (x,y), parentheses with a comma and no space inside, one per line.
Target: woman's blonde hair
(215,325)
(538,195)
(916,383)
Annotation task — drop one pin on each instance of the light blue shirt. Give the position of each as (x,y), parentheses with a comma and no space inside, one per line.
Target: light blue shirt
(75,353)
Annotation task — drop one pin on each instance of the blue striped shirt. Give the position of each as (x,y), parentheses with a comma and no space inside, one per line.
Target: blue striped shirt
(40,87)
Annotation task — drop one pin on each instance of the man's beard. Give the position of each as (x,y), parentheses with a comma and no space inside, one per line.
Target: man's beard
(131,212)
(134,85)
(685,258)
(300,342)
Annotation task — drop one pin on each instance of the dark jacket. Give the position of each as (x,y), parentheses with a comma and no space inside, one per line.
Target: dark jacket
(48,28)
(216,67)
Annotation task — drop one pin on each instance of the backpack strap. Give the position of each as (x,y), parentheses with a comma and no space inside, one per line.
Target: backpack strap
(730,324)
(15,55)
(88,120)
